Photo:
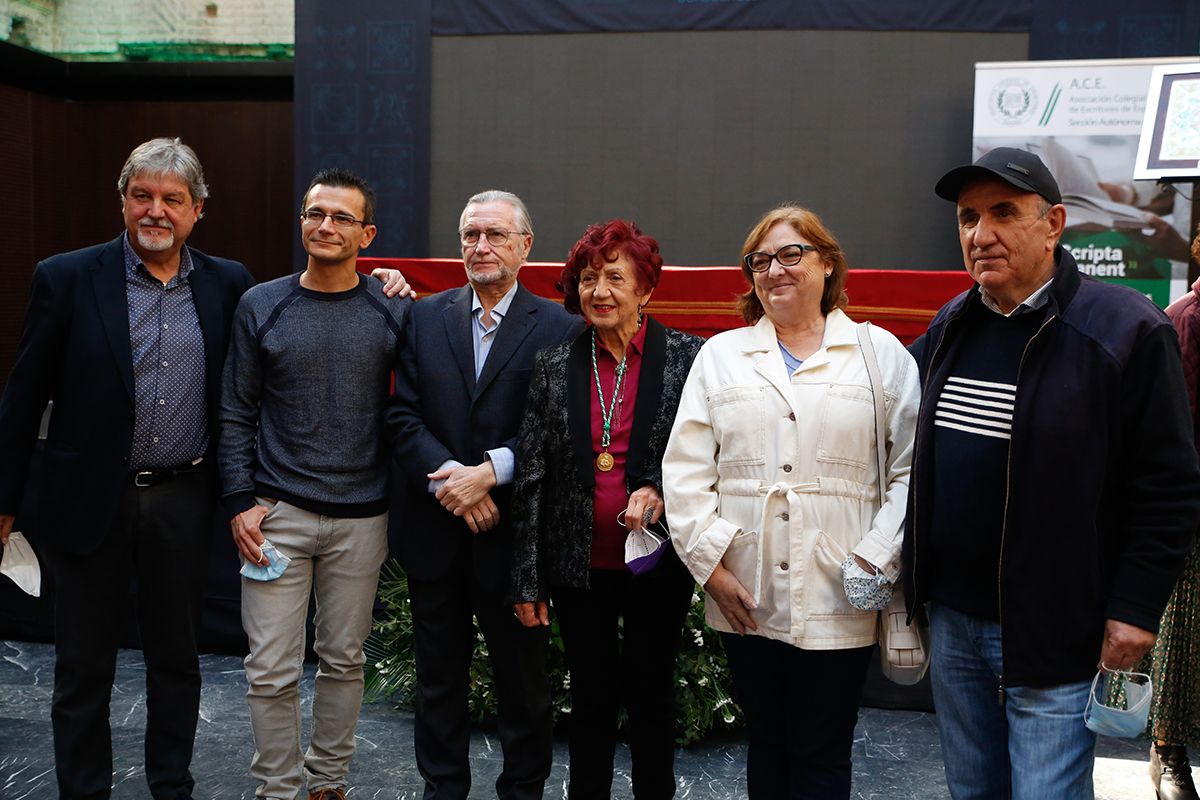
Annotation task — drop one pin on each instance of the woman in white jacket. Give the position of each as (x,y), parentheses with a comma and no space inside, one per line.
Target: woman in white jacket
(771,486)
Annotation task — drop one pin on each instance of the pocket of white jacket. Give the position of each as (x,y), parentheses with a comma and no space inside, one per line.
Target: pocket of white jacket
(824,592)
(847,433)
(739,421)
(743,558)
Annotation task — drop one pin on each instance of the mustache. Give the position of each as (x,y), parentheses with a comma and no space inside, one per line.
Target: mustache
(152,223)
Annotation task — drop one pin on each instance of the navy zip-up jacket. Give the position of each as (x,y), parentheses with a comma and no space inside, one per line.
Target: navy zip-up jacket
(1103,493)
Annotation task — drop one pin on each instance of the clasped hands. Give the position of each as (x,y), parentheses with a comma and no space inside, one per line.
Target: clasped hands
(466,494)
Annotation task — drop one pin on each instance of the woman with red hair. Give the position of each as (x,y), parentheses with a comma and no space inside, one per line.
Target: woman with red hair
(588,500)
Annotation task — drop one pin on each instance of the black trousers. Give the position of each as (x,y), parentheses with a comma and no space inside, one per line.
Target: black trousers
(444,639)
(632,664)
(159,541)
(801,707)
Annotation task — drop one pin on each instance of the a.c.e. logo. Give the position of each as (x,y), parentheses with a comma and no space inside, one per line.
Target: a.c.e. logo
(1013,101)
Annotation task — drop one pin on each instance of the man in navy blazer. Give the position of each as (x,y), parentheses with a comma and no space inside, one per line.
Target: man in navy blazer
(128,339)
(461,386)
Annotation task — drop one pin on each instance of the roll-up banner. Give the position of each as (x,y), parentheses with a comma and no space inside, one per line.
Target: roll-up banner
(1084,118)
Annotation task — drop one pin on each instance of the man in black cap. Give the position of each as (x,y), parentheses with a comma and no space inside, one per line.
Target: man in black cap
(1055,489)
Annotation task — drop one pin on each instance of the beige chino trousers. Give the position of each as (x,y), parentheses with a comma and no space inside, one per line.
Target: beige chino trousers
(338,559)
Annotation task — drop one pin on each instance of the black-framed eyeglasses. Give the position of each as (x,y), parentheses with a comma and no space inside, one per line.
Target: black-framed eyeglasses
(496,237)
(315,217)
(788,256)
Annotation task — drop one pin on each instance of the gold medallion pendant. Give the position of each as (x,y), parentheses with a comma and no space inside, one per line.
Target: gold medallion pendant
(604,461)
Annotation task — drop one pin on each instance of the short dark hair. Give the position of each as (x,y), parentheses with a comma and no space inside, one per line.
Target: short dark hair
(608,241)
(344,178)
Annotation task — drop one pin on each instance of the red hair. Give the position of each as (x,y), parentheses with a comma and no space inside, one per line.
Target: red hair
(606,242)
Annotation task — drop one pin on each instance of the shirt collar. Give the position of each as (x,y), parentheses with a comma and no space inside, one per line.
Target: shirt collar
(133,261)
(500,309)
(1038,299)
(636,344)
(839,330)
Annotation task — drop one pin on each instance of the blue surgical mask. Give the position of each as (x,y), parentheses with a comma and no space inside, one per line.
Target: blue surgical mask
(1122,722)
(277,562)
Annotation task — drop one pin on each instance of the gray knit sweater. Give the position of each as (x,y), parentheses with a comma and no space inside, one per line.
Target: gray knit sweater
(305,382)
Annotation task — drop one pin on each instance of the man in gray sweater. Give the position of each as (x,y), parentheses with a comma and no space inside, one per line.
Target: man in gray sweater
(304,473)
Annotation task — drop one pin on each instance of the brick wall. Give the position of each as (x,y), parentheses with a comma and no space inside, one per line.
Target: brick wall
(77,27)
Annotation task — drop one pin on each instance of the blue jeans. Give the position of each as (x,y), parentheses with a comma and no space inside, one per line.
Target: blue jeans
(1033,747)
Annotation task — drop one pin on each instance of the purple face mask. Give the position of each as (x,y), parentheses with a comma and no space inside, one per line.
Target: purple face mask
(644,548)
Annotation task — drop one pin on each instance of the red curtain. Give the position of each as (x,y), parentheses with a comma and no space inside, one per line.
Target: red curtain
(701,299)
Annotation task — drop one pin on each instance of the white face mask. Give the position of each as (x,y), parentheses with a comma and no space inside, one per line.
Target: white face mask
(865,591)
(21,564)
(1123,722)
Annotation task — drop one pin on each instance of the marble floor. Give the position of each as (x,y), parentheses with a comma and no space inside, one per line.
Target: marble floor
(896,753)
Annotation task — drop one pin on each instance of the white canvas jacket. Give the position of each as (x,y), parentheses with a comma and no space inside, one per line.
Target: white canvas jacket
(777,478)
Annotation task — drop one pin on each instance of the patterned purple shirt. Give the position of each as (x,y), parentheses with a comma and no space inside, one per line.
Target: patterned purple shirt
(170,423)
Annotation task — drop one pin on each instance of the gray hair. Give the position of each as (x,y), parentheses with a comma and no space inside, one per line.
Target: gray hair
(500,196)
(165,156)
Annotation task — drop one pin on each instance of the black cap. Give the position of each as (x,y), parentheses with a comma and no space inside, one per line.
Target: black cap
(1021,168)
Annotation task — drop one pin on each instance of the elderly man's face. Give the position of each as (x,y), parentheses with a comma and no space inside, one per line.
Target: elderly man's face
(159,212)
(1007,237)
(490,264)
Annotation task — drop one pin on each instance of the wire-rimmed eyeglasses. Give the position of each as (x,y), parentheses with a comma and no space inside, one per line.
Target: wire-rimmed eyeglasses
(496,237)
(316,217)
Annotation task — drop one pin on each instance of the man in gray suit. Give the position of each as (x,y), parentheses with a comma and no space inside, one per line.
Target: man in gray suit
(461,385)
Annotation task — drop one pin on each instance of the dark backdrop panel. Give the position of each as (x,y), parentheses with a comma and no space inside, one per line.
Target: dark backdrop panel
(1115,29)
(455,17)
(694,135)
(245,148)
(362,103)
(59,161)
(17,210)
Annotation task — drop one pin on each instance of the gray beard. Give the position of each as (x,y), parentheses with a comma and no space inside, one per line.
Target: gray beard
(505,274)
(155,244)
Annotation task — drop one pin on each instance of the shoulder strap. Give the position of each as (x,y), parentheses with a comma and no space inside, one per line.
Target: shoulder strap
(868,351)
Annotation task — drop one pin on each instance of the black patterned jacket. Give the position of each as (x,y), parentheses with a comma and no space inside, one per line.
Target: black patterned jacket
(554,486)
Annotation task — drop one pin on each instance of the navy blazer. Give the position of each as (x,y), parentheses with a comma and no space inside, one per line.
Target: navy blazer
(440,412)
(75,350)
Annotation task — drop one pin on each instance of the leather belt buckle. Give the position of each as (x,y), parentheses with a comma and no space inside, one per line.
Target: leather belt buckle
(145,479)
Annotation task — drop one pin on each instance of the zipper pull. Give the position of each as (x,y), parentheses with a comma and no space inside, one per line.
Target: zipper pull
(1000,693)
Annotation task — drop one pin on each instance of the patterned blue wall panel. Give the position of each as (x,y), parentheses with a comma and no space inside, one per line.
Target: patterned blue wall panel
(1115,29)
(362,96)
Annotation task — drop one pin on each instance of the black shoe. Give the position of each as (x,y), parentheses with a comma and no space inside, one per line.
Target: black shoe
(1170,773)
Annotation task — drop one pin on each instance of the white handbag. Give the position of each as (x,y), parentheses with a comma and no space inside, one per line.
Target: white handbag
(903,654)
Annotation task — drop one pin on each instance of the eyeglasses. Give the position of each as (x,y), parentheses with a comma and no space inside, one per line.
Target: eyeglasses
(314,217)
(787,256)
(495,237)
